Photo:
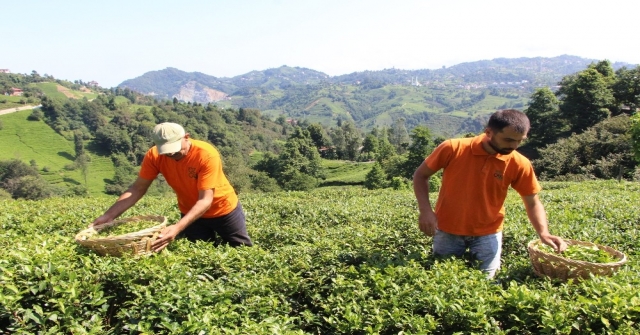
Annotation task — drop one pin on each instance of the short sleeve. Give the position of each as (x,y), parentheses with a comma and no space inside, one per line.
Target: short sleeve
(149,168)
(440,157)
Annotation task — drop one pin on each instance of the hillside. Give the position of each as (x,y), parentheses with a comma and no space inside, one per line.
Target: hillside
(36,141)
(449,101)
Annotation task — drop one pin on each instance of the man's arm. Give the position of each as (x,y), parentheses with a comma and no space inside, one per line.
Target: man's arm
(169,233)
(125,201)
(538,218)
(427,220)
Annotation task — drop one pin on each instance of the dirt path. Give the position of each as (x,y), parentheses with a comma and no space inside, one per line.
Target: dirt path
(17,109)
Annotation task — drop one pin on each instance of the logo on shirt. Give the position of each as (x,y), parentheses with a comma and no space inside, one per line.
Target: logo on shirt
(498,175)
(192,173)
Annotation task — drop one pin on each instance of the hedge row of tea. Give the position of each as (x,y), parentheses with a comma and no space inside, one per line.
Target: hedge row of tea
(327,262)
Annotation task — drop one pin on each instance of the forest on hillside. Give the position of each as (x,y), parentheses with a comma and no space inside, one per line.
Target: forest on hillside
(586,129)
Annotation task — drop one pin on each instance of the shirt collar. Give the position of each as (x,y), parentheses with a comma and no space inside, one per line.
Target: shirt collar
(478,149)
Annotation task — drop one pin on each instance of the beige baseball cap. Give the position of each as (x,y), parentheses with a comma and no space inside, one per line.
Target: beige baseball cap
(167,137)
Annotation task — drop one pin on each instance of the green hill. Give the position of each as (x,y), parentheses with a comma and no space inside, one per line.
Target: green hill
(345,173)
(34,140)
(60,92)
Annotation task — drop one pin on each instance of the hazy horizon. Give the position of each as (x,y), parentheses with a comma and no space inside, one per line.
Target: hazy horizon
(116,41)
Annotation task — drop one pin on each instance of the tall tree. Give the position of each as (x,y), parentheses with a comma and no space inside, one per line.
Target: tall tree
(370,145)
(626,89)
(421,146)
(352,140)
(82,162)
(376,177)
(298,166)
(544,115)
(586,98)
(399,136)
(635,135)
(78,143)
(318,135)
(385,149)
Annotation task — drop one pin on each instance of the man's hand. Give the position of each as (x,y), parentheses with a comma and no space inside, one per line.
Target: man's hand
(428,222)
(166,236)
(555,242)
(100,221)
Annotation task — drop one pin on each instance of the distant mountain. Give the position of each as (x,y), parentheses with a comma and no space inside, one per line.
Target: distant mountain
(449,100)
(196,86)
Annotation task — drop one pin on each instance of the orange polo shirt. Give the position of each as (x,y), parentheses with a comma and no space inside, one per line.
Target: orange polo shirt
(200,169)
(475,184)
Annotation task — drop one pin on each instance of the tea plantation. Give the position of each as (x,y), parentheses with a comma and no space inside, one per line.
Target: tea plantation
(331,261)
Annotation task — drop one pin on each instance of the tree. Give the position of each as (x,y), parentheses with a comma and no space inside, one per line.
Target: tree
(298,166)
(602,151)
(586,99)
(376,177)
(36,115)
(339,143)
(82,162)
(23,181)
(421,146)
(30,188)
(114,139)
(544,115)
(78,143)
(399,136)
(352,140)
(318,135)
(237,171)
(260,181)
(385,149)
(626,89)
(635,135)
(298,181)
(124,175)
(370,146)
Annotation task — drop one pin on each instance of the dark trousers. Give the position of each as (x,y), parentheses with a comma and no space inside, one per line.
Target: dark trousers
(229,229)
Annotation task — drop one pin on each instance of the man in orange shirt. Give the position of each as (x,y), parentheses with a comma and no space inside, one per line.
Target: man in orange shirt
(207,201)
(477,174)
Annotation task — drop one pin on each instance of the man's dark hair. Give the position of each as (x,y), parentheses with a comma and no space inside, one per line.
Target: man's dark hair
(509,117)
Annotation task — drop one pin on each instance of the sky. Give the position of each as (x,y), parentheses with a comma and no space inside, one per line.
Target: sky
(112,41)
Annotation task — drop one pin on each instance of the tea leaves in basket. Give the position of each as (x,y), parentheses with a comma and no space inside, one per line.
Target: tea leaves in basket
(125,228)
(584,253)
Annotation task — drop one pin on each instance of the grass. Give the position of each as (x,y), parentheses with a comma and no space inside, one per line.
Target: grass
(34,140)
(8,101)
(55,90)
(342,173)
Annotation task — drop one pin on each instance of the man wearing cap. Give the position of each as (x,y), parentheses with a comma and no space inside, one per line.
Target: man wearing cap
(207,201)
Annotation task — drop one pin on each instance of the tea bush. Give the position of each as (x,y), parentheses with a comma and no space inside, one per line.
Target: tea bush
(330,261)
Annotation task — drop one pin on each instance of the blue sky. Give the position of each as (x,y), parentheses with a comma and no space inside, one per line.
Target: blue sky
(112,41)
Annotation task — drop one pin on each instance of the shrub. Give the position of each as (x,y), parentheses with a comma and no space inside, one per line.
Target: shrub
(36,115)
(260,181)
(400,183)
(376,177)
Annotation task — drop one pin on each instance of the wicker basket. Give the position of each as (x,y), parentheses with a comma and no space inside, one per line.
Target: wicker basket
(137,243)
(554,266)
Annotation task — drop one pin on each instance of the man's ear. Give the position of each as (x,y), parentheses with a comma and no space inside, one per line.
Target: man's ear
(187,135)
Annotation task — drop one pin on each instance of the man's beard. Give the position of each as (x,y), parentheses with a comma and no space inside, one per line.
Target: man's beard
(504,151)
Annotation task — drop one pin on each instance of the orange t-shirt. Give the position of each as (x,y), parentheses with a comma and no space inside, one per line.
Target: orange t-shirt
(475,184)
(200,169)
